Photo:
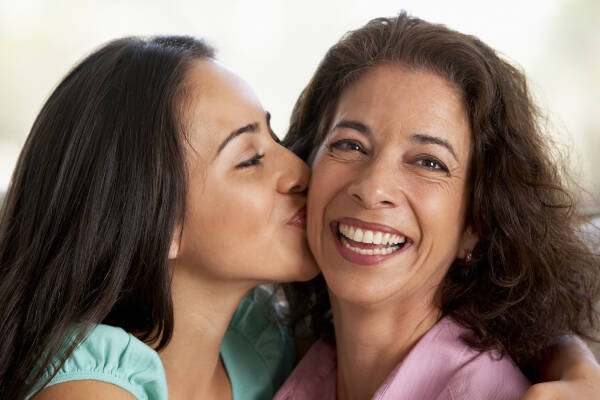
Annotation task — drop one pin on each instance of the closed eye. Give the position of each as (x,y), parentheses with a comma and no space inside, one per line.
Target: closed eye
(254,160)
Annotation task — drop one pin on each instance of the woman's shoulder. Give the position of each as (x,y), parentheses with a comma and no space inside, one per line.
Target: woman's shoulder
(111,355)
(258,352)
(474,373)
(487,377)
(443,366)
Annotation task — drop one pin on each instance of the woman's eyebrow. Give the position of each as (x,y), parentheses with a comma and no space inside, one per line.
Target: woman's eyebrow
(428,139)
(250,128)
(356,125)
(418,137)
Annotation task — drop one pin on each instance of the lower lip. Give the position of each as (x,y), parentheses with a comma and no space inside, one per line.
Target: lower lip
(362,259)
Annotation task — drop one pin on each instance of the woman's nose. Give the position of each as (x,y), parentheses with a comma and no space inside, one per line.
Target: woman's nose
(295,174)
(376,186)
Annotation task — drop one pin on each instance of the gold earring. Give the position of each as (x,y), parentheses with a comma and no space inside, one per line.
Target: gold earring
(469,256)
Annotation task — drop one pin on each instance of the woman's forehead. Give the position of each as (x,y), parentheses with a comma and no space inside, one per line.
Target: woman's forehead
(392,96)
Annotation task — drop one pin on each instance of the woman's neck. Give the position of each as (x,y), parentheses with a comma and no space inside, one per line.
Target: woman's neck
(202,312)
(372,340)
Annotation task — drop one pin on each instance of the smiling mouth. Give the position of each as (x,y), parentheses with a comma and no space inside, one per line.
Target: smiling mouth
(365,243)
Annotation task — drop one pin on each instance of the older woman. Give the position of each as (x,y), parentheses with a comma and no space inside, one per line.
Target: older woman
(438,219)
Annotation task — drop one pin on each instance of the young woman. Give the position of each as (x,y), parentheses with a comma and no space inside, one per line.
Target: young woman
(439,220)
(150,197)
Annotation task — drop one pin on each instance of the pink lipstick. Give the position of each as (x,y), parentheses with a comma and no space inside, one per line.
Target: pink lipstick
(299,219)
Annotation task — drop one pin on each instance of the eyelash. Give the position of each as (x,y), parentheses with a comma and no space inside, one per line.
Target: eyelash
(255,160)
(338,145)
(344,145)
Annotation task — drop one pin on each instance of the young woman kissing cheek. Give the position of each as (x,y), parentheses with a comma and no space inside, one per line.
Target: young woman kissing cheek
(388,195)
(244,226)
(245,217)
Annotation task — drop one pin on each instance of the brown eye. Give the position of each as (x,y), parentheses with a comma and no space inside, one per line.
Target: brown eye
(347,145)
(432,164)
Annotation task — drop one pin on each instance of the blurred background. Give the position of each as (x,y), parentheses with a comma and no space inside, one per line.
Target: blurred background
(276,45)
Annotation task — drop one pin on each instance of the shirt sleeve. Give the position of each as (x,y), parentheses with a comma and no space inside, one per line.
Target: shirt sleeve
(111,355)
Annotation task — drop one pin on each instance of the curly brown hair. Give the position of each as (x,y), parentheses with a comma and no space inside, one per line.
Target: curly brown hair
(531,278)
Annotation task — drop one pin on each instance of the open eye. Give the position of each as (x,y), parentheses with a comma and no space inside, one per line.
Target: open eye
(254,160)
(347,145)
(432,163)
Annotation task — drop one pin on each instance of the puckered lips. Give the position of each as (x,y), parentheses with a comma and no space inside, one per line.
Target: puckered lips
(367,243)
(299,219)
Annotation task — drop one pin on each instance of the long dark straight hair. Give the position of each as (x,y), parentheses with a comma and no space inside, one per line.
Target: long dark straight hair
(88,218)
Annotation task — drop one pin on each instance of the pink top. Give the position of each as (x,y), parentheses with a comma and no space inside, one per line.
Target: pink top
(440,367)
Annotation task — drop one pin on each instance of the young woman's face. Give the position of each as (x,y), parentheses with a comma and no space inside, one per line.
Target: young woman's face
(245,217)
(386,206)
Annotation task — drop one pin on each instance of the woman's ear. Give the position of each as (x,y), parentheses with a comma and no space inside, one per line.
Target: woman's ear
(467,243)
(175,241)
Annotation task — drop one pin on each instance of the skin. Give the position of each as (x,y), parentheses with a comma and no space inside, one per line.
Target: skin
(245,192)
(571,371)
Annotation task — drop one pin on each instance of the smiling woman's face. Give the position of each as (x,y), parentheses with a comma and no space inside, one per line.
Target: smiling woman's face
(388,195)
(245,203)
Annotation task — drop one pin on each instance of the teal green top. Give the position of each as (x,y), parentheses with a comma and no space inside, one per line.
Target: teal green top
(257,354)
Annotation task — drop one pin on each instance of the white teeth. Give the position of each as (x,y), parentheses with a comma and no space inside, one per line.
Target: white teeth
(396,239)
(358,235)
(377,238)
(370,252)
(366,236)
(385,239)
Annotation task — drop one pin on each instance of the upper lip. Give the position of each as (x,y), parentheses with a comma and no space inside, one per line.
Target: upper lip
(370,226)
